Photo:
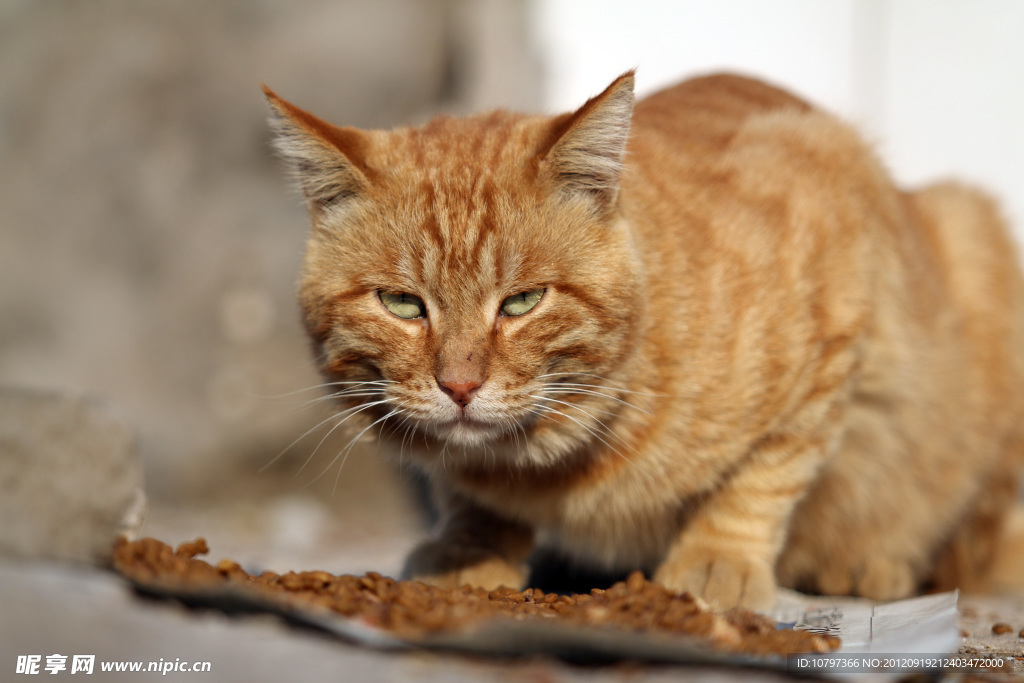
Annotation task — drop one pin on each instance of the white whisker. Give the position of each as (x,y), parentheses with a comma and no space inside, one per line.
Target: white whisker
(351,412)
(562,392)
(509,426)
(363,393)
(312,429)
(401,450)
(597,435)
(607,430)
(595,387)
(348,448)
(344,452)
(325,385)
(586,411)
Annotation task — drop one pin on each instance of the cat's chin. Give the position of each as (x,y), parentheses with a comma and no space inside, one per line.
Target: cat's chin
(467,432)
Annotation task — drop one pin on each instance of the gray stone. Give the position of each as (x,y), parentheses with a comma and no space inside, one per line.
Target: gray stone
(70,478)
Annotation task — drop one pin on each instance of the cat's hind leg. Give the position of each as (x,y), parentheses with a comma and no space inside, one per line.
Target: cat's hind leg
(873,520)
(985,552)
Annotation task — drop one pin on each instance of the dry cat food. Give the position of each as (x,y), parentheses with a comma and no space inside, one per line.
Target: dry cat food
(1000,628)
(414,609)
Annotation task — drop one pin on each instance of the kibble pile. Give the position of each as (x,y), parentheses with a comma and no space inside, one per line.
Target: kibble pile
(412,609)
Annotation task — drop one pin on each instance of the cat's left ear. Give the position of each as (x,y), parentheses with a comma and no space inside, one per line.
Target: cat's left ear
(328,161)
(584,152)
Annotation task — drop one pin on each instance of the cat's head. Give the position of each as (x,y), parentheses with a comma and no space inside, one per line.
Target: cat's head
(471,280)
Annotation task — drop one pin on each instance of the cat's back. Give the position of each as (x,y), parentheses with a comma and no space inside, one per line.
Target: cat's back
(729,164)
(729,139)
(707,111)
(760,214)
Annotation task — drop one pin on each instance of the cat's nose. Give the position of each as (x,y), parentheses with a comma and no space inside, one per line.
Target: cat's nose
(460,392)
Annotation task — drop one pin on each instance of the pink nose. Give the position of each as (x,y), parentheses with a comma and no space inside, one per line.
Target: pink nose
(460,392)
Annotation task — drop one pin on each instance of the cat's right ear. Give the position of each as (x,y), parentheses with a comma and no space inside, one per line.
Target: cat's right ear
(328,161)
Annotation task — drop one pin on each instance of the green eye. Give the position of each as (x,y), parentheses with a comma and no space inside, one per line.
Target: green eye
(406,306)
(517,304)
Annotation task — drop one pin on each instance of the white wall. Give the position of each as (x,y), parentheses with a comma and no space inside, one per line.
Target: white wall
(936,85)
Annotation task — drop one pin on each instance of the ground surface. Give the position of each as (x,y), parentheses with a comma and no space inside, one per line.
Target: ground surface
(48,608)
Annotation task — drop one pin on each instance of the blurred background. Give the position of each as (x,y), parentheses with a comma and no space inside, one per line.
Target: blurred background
(149,241)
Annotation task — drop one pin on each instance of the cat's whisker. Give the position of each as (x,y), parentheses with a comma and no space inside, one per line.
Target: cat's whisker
(576,373)
(609,384)
(595,387)
(405,424)
(324,385)
(356,389)
(345,395)
(355,410)
(344,452)
(512,426)
(542,411)
(382,421)
(350,442)
(313,453)
(629,416)
(390,430)
(526,439)
(353,382)
(561,389)
(548,399)
(409,426)
(606,429)
(444,451)
(309,431)
(595,433)
(589,411)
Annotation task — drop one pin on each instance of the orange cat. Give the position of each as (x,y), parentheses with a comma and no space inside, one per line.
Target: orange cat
(706,337)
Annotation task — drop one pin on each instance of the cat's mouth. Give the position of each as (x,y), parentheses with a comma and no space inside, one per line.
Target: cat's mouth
(467,430)
(464,421)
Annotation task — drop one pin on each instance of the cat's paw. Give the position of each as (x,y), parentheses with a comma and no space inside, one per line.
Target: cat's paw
(723,581)
(877,578)
(446,565)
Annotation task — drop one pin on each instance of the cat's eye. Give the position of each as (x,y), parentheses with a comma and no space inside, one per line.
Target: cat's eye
(406,306)
(517,304)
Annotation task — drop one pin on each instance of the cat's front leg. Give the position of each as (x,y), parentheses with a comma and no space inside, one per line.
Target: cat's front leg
(475,547)
(727,551)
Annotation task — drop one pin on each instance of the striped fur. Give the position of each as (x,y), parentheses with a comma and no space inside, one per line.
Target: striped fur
(755,360)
